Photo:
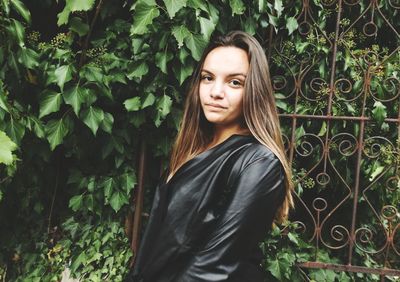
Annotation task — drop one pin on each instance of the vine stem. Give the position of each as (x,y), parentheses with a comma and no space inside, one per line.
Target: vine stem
(86,43)
(5,274)
(4,179)
(54,196)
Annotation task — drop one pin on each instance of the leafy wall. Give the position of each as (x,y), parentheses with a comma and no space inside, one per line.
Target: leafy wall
(82,82)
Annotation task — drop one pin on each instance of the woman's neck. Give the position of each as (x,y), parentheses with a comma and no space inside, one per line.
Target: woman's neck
(221,134)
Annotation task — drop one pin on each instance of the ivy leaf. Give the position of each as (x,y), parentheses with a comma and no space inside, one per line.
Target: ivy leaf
(6,6)
(323,69)
(89,202)
(22,10)
(276,269)
(301,46)
(377,170)
(6,148)
(291,24)
(75,203)
(278,6)
(63,74)
(137,45)
(207,27)
(237,6)
(90,96)
(300,132)
(148,100)
(132,104)
(81,259)
(143,16)
(56,130)
(137,69)
(198,4)
(15,130)
(28,57)
(78,26)
(281,105)
(250,25)
(92,73)
(17,30)
(293,238)
(74,96)
(12,62)
(163,108)
(164,105)
(379,112)
(107,122)
(322,131)
(108,186)
(79,5)
(128,181)
(92,117)
(173,6)
(180,33)
(3,102)
(261,6)
(281,264)
(213,13)
(196,45)
(118,199)
(273,21)
(182,54)
(182,72)
(323,275)
(73,6)
(63,16)
(35,125)
(162,58)
(49,103)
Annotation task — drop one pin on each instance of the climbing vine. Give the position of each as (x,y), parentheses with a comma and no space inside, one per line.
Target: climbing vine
(82,82)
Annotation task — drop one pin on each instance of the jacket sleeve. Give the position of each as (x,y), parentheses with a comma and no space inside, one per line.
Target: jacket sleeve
(243,223)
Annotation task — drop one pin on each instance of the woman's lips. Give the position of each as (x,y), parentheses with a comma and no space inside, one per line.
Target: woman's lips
(217,106)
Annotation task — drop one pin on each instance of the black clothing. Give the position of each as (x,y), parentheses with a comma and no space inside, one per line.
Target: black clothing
(206,223)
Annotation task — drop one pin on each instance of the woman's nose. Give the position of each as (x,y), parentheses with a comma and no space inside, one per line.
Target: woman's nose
(217,90)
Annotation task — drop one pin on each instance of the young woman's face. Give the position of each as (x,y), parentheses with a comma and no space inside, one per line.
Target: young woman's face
(222,86)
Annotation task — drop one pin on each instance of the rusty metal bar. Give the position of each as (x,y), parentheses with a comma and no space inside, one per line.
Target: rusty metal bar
(137,220)
(270,36)
(351,268)
(329,117)
(294,120)
(357,174)
(333,62)
(328,112)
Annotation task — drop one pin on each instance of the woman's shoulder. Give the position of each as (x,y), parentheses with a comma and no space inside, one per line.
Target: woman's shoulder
(254,152)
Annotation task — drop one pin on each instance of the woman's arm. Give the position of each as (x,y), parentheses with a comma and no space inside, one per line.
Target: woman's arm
(243,223)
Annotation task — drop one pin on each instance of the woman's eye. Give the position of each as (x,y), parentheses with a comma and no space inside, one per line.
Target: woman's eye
(206,78)
(236,82)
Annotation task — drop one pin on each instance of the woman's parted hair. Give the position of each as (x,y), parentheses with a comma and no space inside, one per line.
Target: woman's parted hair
(259,112)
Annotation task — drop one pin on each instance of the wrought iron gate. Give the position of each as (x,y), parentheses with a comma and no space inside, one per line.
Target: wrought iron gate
(340,107)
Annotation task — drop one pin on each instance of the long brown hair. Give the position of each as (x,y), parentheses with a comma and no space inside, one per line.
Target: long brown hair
(259,112)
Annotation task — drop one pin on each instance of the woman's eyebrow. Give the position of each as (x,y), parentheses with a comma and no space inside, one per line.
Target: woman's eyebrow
(229,75)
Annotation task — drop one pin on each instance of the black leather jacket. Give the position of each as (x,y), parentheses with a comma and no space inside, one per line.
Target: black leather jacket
(206,223)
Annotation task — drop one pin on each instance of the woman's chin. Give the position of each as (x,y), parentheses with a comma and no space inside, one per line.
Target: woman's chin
(215,120)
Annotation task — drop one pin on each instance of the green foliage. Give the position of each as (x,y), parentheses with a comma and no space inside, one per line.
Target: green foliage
(97,252)
(6,148)
(77,96)
(145,12)
(285,248)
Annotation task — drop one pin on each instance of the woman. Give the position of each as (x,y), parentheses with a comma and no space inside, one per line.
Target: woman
(228,177)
